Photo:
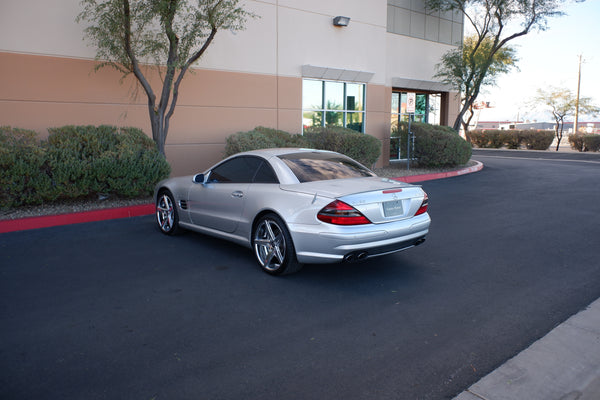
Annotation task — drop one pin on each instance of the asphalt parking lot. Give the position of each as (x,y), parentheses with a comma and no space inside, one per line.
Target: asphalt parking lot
(114,309)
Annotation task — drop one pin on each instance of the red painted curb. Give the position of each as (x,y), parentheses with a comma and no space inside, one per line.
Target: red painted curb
(47,221)
(440,175)
(74,218)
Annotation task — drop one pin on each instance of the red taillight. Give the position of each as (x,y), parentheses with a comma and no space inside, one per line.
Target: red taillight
(423,208)
(339,213)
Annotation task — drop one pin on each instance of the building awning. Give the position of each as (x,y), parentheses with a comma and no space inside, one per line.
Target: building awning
(420,85)
(336,74)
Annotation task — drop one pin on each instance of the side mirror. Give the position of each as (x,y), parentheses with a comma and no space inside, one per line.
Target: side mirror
(198,178)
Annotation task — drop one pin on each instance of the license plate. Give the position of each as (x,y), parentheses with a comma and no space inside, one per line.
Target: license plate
(392,208)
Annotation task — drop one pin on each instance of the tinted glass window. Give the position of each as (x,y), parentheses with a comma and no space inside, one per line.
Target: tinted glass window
(333,103)
(236,170)
(265,174)
(310,167)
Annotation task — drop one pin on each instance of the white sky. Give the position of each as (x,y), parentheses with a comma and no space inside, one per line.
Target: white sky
(550,58)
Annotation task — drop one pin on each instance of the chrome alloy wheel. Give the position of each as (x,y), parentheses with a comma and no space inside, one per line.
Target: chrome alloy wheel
(166,215)
(269,244)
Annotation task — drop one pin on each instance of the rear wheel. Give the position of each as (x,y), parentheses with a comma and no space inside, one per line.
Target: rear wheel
(273,246)
(166,213)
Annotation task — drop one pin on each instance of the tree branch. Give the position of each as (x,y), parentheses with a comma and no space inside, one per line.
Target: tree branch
(135,68)
(185,67)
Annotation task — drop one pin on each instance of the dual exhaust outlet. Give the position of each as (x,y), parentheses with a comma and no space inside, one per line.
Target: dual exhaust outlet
(361,255)
(355,256)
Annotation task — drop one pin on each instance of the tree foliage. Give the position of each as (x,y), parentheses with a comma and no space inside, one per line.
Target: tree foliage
(459,65)
(492,22)
(169,35)
(456,68)
(562,103)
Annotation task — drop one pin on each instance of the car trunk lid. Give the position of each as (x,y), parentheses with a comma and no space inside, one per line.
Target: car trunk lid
(379,199)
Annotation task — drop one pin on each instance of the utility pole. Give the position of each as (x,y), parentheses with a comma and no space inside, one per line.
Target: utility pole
(577,101)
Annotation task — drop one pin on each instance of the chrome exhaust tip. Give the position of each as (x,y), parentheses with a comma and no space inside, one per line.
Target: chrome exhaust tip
(349,257)
(355,256)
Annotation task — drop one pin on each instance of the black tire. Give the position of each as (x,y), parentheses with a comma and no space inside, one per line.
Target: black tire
(167,217)
(273,246)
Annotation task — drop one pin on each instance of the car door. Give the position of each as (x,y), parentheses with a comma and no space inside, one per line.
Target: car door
(218,203)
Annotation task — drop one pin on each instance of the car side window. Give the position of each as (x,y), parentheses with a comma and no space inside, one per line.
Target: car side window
(237,170)
(265,174)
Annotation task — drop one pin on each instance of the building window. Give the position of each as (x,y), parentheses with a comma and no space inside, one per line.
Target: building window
(333,103)
(413,19)
(427,110)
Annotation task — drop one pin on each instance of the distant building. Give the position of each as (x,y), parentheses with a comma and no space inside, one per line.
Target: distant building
(587,127)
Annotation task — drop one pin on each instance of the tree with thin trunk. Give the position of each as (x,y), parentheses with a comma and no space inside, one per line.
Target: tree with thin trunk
(460,64)
(165,35)
(562,103)
(492,22)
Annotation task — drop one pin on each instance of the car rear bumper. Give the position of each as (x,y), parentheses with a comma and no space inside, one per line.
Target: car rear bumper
(330,244)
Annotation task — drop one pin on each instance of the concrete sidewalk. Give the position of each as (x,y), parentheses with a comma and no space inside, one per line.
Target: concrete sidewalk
(563,365)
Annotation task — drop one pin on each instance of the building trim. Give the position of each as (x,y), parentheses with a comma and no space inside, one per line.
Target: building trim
(416,84)
(336,74)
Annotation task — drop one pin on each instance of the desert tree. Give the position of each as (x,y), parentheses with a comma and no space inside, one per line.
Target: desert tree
(165,35)
(562,103)
(495,23)
(459,65)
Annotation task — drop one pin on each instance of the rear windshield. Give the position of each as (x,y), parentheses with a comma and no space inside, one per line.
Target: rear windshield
(309,167)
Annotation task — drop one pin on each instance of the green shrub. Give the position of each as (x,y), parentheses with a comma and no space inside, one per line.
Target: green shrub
(363,148)
(478,138)
(439,146)
(495,138)
(91,160)
(261,138)
(23,177)
(512,139)
(576,141)
(399,131)
(537,140)
(591,143)
(583,142)
(77,162)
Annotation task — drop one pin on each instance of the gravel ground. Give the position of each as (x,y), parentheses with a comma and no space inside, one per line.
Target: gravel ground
(69,207)
(392,171)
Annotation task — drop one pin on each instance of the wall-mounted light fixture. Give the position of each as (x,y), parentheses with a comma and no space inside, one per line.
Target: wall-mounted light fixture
(341,21)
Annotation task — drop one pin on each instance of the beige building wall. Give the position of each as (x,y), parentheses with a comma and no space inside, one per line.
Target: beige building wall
(246,79)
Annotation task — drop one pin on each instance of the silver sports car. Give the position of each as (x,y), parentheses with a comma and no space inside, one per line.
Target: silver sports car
(295,206)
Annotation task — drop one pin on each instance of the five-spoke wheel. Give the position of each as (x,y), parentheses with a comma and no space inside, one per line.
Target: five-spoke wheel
(166,213)
(273,246)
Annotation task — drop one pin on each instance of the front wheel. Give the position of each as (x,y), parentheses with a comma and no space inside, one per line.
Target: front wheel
(166,213)
(273,246)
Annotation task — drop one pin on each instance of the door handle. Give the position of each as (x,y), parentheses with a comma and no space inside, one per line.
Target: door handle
(238,194)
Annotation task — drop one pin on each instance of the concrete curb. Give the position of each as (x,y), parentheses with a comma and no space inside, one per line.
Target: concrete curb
(441,175)
(563,365)
(48,221)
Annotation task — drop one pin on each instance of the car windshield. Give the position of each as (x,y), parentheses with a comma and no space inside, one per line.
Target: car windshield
(309,167)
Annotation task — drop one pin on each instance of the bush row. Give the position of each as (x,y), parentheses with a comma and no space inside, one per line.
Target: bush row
(77,162)
(363,148)
(582,142)
(436,146)
(512,139)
